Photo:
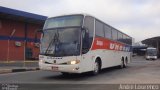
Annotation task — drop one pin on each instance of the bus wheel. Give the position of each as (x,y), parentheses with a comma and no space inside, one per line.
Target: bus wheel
(125,63)
(122,64)
(96,68)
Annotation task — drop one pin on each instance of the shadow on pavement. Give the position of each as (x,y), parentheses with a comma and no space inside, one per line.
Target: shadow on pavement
(82,76)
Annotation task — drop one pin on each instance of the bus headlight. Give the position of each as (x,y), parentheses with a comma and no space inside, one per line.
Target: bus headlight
(73,62)
(41,61)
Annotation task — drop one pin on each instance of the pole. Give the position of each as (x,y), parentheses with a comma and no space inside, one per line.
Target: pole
(25,42)
(8,51)
(8,47)
(158,48)
(24,54)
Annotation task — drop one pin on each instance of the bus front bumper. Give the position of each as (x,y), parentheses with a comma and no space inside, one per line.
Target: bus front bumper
(151,57)
(60,68)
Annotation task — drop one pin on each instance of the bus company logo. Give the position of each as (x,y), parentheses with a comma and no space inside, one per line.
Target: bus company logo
(54,61)
(99,43)
(114,46)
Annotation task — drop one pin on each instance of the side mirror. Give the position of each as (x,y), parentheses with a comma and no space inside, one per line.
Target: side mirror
(40,31)
(83,28)
(84,31)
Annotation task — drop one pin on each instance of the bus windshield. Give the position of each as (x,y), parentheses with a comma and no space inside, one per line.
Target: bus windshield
(64,21)
(61,36)
(151,52)
(61,42)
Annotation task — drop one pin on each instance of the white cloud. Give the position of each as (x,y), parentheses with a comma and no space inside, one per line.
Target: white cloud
(138,18)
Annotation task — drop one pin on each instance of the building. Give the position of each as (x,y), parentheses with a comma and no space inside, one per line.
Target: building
(17,34)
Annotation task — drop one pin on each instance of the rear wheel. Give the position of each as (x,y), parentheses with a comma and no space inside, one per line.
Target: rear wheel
(123,64)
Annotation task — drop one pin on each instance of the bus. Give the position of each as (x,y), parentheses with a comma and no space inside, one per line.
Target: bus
(151,53)
(80,43)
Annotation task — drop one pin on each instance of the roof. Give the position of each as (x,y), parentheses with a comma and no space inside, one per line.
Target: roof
(139,47)
(151,40)
(85,14)
(21,15)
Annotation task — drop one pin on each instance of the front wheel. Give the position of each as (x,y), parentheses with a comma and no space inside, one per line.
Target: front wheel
(96,69)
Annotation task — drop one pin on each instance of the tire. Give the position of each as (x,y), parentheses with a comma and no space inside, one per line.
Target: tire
(96,68)
(123,64)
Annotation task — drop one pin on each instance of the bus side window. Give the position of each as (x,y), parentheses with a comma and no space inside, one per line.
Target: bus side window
(108,32)
(99,29)
(120,37)
(89,32)
(114,34)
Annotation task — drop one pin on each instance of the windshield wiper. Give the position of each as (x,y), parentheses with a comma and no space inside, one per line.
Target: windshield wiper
(54,39)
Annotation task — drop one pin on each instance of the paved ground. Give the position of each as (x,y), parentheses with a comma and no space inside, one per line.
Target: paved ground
(18,66)
(139,71)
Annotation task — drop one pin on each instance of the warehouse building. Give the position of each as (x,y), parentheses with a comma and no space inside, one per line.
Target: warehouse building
(17,34)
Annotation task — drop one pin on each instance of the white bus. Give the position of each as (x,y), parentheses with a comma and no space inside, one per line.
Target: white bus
(151,53)
(81,43)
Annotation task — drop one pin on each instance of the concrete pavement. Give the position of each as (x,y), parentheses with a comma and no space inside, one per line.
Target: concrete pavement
(18,66)
(139,71)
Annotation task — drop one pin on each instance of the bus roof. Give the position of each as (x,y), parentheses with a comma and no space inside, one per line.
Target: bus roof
(85,14)
(151,48)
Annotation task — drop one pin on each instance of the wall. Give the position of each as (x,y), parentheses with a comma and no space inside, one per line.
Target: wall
(23,31)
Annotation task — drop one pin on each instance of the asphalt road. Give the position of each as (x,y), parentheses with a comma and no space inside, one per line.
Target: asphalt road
(139,71)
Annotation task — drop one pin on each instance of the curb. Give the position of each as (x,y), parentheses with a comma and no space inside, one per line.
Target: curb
(3,71)
(18,62)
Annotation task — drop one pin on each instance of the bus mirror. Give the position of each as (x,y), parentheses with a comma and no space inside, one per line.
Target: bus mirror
(83,28)
(39,31)
(83,33)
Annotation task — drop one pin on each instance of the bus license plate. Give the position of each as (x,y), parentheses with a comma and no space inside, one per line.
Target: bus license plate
(54,68)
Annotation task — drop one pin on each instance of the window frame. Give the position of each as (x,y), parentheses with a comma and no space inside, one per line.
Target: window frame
(100,22)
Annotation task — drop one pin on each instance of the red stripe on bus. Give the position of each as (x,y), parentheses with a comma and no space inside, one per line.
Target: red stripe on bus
(102,43)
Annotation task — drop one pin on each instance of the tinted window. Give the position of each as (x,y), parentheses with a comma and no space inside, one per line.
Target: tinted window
(127,39)
(114,34)
(120,37)
(124,38)
(88,37)
(108,32)
(89,24)
(99,29)
(64,21)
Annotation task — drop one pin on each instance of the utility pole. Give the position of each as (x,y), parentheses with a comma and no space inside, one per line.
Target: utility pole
(157,46)
(8,47)
(25,43)
(24,53)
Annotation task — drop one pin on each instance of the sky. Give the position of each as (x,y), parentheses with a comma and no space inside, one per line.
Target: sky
(138,18)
